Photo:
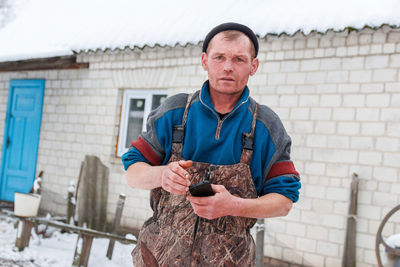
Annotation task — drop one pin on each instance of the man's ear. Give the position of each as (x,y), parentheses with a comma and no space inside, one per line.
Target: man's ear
(254,66)
(204,61)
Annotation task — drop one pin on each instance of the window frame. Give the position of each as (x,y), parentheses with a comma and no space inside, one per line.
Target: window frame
(127,96)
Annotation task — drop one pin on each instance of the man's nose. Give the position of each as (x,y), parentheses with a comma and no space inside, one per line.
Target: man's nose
(228,65)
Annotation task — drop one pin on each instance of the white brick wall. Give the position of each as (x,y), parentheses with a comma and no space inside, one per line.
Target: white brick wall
(337,94)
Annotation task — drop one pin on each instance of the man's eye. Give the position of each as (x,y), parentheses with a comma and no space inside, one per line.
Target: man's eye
(240,59)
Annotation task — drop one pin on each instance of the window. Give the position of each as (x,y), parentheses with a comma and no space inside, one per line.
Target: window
(136,107)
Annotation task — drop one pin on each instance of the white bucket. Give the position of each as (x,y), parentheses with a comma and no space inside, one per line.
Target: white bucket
(26,205)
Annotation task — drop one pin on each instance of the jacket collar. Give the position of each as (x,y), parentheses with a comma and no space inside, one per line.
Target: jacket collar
(205,98)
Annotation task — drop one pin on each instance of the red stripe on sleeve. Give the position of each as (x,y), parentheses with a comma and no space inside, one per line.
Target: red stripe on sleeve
(282,168)
(147,151)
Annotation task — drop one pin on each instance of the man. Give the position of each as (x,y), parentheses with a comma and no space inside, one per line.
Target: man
(221,135)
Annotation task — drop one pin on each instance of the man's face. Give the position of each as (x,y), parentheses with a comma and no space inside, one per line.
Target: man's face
(229,64)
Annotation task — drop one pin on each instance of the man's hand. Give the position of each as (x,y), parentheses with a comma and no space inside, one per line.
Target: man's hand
(221,204)
(174,178)
(224,203)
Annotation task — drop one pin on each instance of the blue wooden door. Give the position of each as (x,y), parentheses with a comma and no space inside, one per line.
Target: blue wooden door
(21,137)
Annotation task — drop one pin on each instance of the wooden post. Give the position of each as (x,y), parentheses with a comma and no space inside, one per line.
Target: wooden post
(349,253)
(82,250)
(115,226)
(23,234)
(260,243)
(71,204)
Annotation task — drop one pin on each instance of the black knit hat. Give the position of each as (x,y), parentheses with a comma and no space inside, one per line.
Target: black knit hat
(231,26)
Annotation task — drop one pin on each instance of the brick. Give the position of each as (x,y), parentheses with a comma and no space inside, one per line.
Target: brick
(336,170)
(316,141)
(373,129)
(292,256)
(308,100)
(385,174)
(270,100)
(315,168)
(322,206)
(290,66)
(394,37)
(303,127)
(376,49)
(354,100)
(276,78)
(305,244)
(390,114)
(377,62)
(338,142)
(384,188)
(370,158)
(326,88)
(317,232)
(285,89)
(348,88)
(391,159)
(387,144)
(299,114)
(330,64)
(337,235)
(348,128)
(364,197)
(334,221)
(327,249)
(296,78)
(389,48)
(395,60)
(369,212)
(344,114)
(384,75)
(337,76)
(341,51)
(310,65)
(353,63)
(395,101)
(361,76)
(288,101)
(337,194)
(301,153)
(316,77)
(295,229)
(271,67)
(352,51)
(331,100)
(315,191)
(336,155)
(393,129)
(305,89)
(367,114)
(321,113)
(313,259)
(378,100)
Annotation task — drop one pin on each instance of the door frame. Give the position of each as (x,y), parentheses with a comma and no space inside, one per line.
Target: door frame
(15,83)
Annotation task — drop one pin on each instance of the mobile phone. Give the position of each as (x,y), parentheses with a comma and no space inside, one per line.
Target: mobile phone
(202,189)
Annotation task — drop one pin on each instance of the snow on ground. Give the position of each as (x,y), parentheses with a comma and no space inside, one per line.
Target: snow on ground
(56,251)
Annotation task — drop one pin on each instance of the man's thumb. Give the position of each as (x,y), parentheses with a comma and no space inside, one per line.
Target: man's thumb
(185,163)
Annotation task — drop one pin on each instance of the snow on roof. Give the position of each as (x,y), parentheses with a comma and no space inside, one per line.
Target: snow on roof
(44,28)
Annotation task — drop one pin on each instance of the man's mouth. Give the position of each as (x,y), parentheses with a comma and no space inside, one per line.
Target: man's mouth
(227,79)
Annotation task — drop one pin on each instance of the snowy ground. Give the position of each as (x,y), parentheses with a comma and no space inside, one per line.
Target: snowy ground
(57,250)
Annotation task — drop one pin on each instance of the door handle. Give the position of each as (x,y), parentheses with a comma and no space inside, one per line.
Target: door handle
(8,142)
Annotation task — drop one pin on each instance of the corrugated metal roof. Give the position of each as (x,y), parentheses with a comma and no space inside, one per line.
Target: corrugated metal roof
(58,27)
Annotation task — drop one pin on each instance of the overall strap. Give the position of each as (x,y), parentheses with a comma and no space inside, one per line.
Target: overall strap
(248,140)
(178,132)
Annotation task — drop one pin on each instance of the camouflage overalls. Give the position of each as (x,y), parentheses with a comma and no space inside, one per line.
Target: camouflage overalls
(176,236)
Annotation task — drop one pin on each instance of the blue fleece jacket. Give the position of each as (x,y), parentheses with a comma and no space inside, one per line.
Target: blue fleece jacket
(219,141)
